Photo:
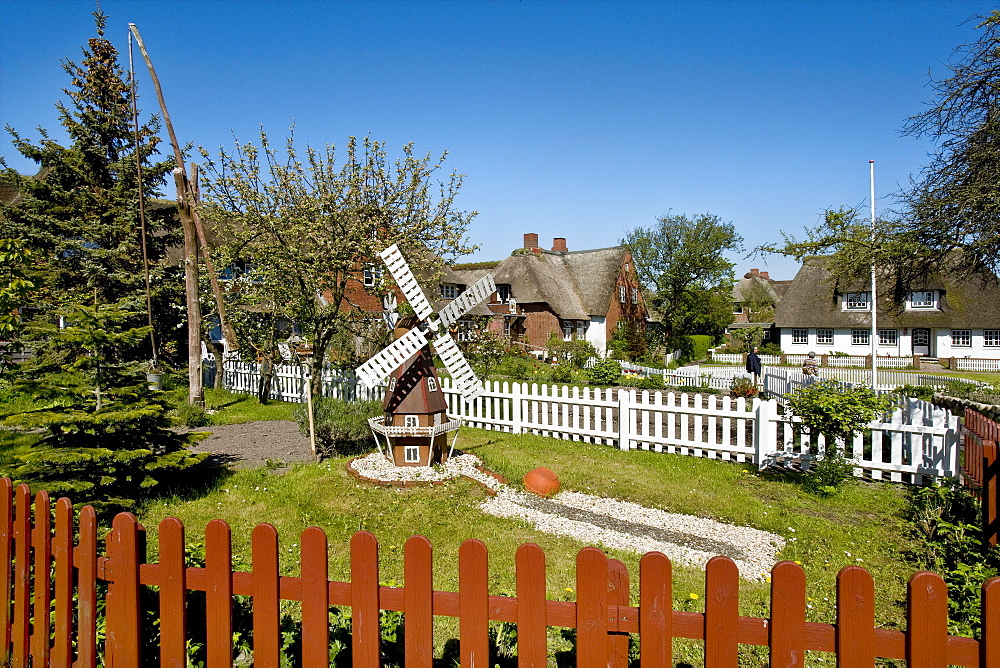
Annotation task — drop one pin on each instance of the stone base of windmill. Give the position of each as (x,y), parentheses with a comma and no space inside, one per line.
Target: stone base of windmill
(413,446)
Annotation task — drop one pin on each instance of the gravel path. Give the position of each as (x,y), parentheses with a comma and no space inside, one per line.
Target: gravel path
(252,444)
(610,523)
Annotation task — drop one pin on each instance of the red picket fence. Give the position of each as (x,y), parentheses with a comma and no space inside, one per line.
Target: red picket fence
(51,595)
(982,468)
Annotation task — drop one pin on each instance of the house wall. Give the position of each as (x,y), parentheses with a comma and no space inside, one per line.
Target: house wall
(540,322)
(619,310)
(940,344)
(597,334)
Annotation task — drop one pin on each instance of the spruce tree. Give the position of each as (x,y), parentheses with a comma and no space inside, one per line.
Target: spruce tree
(107,440)
(79,215)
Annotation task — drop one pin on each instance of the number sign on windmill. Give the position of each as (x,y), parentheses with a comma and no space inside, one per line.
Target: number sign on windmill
(415,425)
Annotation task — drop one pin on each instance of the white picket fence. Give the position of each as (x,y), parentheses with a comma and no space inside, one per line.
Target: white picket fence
(843,361)
(289,382)
(970,364)
(917,441)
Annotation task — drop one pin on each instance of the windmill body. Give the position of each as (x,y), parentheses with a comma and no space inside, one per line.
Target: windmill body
(413,431)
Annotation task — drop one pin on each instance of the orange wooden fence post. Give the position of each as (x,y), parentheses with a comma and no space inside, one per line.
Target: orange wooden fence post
(655,611)
(21,633)
(62,553)
(315,599)
(473,604)
(6,561)
(264,581)
(218,594)
(365,635)
(787,630)
(122,641)
(418,602)
(926,621)
(722,599)
(86,583)
(991,488)
(855,618)
(591,608)
(989,647)
(532,638)
(173,593)
(618,595)
(42,592)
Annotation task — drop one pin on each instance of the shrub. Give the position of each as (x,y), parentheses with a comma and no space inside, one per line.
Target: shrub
(700,343)
(924,392)
(742,387)
(838,412)
(605,372)
(341,426)
(563,373)
(575,352)
(769,349)
(191,415)
(641,382)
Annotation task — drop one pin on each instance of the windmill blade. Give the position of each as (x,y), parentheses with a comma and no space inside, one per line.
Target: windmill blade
(461,373)
(406,281)
(464,303)
(389,358)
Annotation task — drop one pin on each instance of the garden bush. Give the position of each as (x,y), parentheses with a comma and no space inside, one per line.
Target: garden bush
(700,343)
(742,387)
(563,373)
(641,382)
(924,392)
(575,352)
(341,426)
(605,372)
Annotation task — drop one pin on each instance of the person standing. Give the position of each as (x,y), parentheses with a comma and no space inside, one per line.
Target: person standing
(753,365)
(810,366)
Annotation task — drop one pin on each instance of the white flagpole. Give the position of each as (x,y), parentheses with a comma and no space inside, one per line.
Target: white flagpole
(874,299)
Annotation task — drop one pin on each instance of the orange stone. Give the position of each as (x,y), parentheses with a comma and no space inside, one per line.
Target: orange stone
(542,481)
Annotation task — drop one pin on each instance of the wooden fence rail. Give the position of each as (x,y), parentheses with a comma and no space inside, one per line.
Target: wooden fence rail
(49,577)
(981,467)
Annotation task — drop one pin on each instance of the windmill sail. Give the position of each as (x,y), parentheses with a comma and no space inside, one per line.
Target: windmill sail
(475,293)
(389,358)
(406,281)
(461,373)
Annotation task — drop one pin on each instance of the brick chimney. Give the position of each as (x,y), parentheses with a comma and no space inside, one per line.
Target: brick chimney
(531,241)
(559,245)
(764,275)
(751,273)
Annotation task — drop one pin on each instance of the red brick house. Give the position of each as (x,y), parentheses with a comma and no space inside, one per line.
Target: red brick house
(574,294)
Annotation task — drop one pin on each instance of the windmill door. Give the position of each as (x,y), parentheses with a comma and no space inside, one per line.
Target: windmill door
(922,342)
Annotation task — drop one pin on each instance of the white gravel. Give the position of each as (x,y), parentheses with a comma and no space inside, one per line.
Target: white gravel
(604,522)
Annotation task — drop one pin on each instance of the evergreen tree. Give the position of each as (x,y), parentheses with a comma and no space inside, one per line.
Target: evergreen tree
(79,215)
(107,440)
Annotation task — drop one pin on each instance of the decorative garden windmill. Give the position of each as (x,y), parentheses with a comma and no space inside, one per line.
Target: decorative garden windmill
(415,425)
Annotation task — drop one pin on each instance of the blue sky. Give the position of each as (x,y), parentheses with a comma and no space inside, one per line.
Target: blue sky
(574,119)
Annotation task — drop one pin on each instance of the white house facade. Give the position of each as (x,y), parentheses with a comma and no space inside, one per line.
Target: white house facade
(947,316)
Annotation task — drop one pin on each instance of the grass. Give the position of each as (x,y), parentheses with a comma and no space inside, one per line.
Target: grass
(861,525)
(233,408)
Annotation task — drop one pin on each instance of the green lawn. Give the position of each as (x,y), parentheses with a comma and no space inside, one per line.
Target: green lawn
(862,525)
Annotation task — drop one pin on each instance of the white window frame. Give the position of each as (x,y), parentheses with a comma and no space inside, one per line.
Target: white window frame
(635,295)
(567,330)
(411,453)
(431,384)
(621,294)
(737,308)
(449,291)
(853,301)
(961,338)
(888,337)
(922,304)
(372,275)
(861,337)
(504,293)
(824,336)
(581,329)
(800,336)
(991,338)
(411,421)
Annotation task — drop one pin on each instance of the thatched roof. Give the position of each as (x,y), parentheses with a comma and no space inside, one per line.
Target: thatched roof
(814,300)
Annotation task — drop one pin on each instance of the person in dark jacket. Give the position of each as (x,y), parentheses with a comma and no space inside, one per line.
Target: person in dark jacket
(753,365)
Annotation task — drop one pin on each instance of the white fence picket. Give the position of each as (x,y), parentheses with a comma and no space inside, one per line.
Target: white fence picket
(917,440)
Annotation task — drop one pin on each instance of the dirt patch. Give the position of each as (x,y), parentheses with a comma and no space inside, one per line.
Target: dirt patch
(253,444)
